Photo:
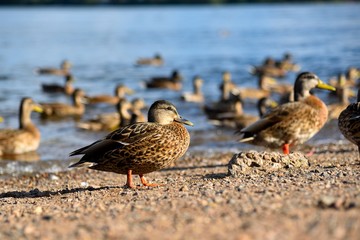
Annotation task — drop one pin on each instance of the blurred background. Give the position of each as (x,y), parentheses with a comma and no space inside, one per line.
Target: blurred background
(104,39)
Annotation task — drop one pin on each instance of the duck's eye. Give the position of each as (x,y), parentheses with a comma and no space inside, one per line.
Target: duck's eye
(169,108)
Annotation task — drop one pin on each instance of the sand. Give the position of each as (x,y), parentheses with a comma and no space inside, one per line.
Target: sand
(202,197)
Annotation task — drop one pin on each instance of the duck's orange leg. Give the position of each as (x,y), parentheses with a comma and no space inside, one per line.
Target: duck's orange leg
(145,183)
(129,181)
(286,148)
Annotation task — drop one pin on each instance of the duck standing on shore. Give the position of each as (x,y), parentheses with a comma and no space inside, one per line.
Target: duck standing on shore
(140,148)
(27,137)
(349,123)
(291,123)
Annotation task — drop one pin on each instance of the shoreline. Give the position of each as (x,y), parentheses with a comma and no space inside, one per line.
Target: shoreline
(198,199)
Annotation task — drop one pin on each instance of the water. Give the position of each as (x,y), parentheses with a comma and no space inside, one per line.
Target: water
(104,42)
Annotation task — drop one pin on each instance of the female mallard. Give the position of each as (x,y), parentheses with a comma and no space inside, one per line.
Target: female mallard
(140,148)
(68,88)
(349,122)
(120,91)
(196,95)
(63,71)
(291,123)
(27,137)
(59,110)
(268,68)
(138,104)
(174,82)
(157,60)
(227,87)
(109,121)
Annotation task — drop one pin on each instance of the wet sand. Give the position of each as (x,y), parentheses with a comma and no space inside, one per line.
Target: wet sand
(200,199)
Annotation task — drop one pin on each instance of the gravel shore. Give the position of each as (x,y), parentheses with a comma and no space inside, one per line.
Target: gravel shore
(202,197)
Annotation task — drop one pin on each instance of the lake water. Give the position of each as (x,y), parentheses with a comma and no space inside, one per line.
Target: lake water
(104,42)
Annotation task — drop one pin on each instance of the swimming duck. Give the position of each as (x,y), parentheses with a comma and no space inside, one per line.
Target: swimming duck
(27,137)
(196,95)
(291,123)
(287,63)
(157,60)
(238,119)
(109,121)
(336,108)
(63,71)
(227,87)
(349,122)
(68,88)
(138,104)
(263,90)
(140,148)
(174,82)
(268,68)
(120,92)
(59,110)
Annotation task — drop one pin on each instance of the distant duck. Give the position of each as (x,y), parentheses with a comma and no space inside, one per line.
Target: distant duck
(63,71)
(174,82)
(238,119)
(264,85)
(287,63)
(60,110)
(27,137)
(227,86)
(268,68)
(109,121)
(336,108)
(140,148)
(120,92)
(196,95)
(350,78)
(138,104)
(157,60)
(291,123)
(68,88)
(349,122)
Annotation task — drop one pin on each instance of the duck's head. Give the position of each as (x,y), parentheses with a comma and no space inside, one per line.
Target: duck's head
(307,81)
(164,112)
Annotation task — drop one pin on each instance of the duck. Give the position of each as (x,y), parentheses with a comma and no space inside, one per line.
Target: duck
(238,119)
(174,82)
(109,121)
(157,60)
(60,110)
(287,63)
(140,148)
(197,95)
(27,137)
(263,90)
(227,87)
(336,108)
(348,122)
(291,123)
(67,89)
(120,92)
(138,104)
(63,71)
(268,68)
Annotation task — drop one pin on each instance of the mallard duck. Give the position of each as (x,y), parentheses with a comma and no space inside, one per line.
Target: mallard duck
(109,121)
(227,87)
(287,63)
(68,88)
(138,104)
(291,123)
(268,68)
(59,110)
(120,92)
(263,90)
(63,71)
(349,122)
(157,60)
(27,137)
(140,148)
(196,95)
(174,82)
(238,119)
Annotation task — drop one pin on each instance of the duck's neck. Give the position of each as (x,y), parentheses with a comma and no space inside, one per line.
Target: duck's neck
(25,122)
(197,89)
(319,106)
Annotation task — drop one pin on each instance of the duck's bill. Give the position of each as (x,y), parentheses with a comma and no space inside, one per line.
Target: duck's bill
(1,119)
(184,121)
(325,86)
(38,108)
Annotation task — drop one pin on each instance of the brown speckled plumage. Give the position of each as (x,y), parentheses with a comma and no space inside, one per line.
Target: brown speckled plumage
(140,148)
(349,122)
(291,123)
